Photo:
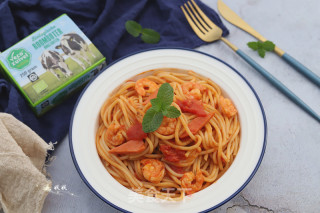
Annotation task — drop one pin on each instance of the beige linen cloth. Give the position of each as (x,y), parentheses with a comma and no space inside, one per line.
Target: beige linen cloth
(23,183)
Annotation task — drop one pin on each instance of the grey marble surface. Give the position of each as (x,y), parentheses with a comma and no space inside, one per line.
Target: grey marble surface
(288,179)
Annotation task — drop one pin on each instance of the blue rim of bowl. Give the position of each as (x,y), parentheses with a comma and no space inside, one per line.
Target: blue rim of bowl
(171,48)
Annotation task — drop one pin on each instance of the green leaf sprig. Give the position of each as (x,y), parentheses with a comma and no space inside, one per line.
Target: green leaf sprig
(148,35)
(161,106)
(261,47)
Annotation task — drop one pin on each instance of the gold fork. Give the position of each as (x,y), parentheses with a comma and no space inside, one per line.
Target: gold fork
(207,31)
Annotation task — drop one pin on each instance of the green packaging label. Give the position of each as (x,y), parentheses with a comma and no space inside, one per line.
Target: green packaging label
(45,63)
(18,58)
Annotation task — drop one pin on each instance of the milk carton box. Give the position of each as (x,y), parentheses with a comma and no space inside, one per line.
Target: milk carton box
(51,63)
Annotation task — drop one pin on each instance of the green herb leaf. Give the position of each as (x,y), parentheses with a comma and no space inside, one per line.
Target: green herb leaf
(150,36)
(133,28)
(161,106)
(261,47)
(151,120)
(262,52)
(165,94)
(268,45)
(147,35)
(253,45)
(171,112)
(156,104)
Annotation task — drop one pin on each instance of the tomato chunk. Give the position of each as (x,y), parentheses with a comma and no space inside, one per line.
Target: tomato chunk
(130,147)
(193,106)
(172,154)
(196,124)
(135,132)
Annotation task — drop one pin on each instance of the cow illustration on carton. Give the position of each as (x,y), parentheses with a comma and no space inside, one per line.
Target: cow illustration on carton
(52,60)
(75,47)
(72,45)
(51,63)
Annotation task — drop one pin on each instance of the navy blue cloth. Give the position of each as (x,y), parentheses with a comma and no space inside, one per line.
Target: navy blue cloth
(103,22)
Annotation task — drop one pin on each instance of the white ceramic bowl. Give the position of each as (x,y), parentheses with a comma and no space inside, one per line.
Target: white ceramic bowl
(84,124)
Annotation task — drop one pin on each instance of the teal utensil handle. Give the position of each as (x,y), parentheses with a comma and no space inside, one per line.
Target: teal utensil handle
(302,69)
(275,82)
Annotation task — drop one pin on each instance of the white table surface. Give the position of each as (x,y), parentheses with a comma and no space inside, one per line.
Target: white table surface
(288,179)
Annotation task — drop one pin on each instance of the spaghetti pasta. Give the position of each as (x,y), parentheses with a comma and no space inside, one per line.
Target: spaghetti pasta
(186,154)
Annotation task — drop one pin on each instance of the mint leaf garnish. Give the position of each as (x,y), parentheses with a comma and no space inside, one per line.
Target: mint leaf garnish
(261,47)
(171,112)
(150,36)
(253,45)
(268,46)
(156,104)
(133,28)
(261,52)
(165,94)
(151,120)
(161,106)
(147,35)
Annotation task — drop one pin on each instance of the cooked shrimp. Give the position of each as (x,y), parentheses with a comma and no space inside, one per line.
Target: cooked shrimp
(227,107)
(193,90)
(113,134)
(153,170)
(144,86)
(192,183)
(167,126)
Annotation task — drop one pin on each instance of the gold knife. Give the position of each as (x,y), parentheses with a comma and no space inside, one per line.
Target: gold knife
(234,19)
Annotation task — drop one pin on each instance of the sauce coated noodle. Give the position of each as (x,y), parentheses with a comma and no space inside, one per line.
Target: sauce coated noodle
(186,154)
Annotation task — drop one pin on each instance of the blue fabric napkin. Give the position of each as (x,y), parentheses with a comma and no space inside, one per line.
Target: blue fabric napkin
(103,22)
